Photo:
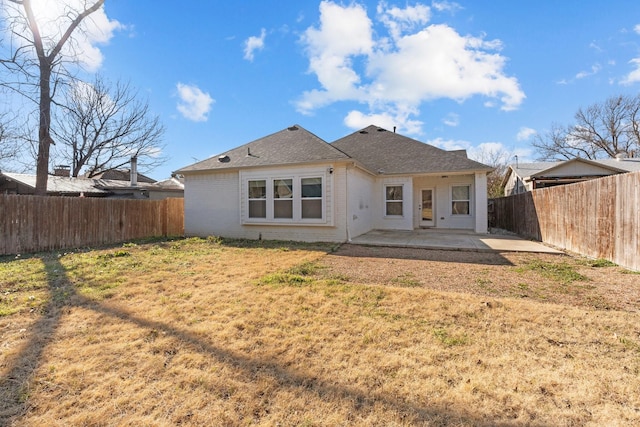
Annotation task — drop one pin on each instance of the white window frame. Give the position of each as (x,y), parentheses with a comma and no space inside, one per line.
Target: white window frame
(249,199)
(297,219)
(401,202)
(460,200)
(312,198)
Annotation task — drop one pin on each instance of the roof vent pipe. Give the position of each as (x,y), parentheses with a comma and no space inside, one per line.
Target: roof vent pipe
(394,129)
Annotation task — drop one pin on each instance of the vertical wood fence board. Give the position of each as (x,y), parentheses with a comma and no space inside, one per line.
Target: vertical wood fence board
(599,218)
(32,223)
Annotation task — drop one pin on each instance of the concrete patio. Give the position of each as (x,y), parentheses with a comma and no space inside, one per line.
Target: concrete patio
(451,240)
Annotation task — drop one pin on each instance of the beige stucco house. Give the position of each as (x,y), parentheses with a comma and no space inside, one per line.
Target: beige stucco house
(292,185)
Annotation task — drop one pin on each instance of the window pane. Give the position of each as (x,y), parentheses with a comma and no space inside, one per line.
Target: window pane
(257,208)
(311,187)
(460,192)
(258,189)
(282,188)
(283,208)
(394,208)
(312,208)
(394,192)
(460,208)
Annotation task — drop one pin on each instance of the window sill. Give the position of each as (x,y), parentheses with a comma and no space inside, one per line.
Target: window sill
(315,223)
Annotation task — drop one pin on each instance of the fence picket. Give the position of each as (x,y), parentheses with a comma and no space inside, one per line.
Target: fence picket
(599,218)
(33,224)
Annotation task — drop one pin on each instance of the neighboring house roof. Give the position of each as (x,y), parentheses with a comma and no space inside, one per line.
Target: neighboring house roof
(628,165)
(289,146)
(70,185)
(171,184)
(376,149)
(57,184)
(537,169)
(385,152)
(121,175)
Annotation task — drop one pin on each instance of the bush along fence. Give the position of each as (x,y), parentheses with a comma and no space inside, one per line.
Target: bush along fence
(599,218)
(34,224)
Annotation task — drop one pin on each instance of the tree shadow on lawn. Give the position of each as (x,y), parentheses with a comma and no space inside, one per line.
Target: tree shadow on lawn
(423,254)
(14,387)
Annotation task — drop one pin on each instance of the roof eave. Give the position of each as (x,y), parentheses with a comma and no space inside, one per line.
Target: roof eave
(271,165)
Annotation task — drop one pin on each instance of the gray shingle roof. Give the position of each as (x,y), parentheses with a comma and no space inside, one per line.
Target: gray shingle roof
(292,145)
(58,184)
(72,185)
(385,152)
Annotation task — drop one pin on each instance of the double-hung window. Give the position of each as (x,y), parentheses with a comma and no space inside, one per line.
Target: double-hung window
(283,198)
(311,198)
(393,200)
(293,199)
(460,199)
(257,198)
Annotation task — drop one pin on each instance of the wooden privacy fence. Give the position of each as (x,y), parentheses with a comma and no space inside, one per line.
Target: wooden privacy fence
(33,224)
(599,218)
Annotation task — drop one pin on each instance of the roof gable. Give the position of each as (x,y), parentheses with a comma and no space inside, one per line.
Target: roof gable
(385,152)
(578,167)
(292,145)
(574,167)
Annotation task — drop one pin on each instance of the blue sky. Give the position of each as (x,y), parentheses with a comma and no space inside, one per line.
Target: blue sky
(465,74)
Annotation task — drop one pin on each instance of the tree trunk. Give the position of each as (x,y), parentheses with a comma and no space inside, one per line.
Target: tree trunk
(44,129)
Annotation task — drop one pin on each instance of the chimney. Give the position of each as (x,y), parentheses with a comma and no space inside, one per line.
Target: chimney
(134,171)
(62,170)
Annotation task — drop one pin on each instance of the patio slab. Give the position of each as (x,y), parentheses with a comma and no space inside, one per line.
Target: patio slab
(451,240)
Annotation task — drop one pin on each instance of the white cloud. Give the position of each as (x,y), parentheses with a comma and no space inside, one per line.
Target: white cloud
(402,123)
(358,120)
(54,17)
(254,43)
(397,73)
(525,133)
(633,76)
(595,69)
(452,119)
(449,6)
(637,28)
(344,32)
(490,153)
(194,104)
(399,21)
(449,144)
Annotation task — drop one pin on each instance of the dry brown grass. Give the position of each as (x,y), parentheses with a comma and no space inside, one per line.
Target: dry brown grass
(203,332)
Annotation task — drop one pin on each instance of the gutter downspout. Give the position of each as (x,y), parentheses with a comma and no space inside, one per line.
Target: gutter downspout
(346,195)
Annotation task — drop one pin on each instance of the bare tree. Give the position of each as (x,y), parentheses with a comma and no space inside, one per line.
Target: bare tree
(102,126)
(37,60)
(497,157)
(601,130)
(8,146)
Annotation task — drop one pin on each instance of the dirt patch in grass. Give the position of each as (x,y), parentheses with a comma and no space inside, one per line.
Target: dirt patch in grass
(210,332)
(560,279)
